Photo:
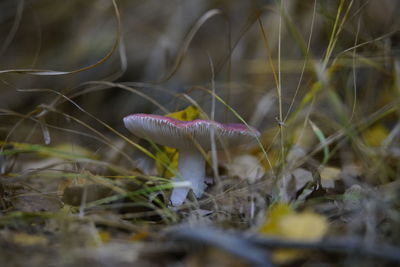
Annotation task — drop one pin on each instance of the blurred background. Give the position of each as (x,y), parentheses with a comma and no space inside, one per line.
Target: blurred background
(167,49)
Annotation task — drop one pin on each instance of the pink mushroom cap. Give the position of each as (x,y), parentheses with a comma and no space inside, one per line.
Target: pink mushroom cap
(181,134)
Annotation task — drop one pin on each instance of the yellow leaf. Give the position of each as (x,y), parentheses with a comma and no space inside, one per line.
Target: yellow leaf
(188,114)
(167,158)
(104,236)
(282,256)
(283,222)
(29,240)
(305,226)
(375,135)
(140,236)
(278,211)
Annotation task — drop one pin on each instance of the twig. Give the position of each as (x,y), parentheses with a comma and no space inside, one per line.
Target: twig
(346,246)
(255,249)
(232,243)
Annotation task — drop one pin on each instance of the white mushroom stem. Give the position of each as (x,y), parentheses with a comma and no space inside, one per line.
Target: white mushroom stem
(191,165)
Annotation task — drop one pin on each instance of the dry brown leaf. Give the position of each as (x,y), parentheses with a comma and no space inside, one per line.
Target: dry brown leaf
(329,175)
(31,202)
(76,195)
(294,182)
(246,167)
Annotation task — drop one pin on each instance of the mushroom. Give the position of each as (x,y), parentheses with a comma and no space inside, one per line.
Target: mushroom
(189,138)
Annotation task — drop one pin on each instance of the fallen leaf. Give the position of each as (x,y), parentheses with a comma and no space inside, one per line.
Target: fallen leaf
(301,177)
(328,176)
(188,114)
(77,195)
(29,240)
(167,158)
(305,226)
(167,162)
(285,223)
(140,236)
(246,167)
(271,226)
(295,154)
(375,135)
(104,236)
(32,201)
(27,198)
(294,182)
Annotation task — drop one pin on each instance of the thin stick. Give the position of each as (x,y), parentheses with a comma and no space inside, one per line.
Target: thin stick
(335,245)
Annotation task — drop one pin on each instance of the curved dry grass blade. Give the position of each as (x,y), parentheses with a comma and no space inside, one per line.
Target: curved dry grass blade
(231,47)
(118,85)
(43,72)
(15,126)
(139,192)
(266,44)
(139,147)
(21,148)
(214,158)
(38,31)
(203,19)
(107,141)
(306,60)
(99,139)
(14,28)
(337,28)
